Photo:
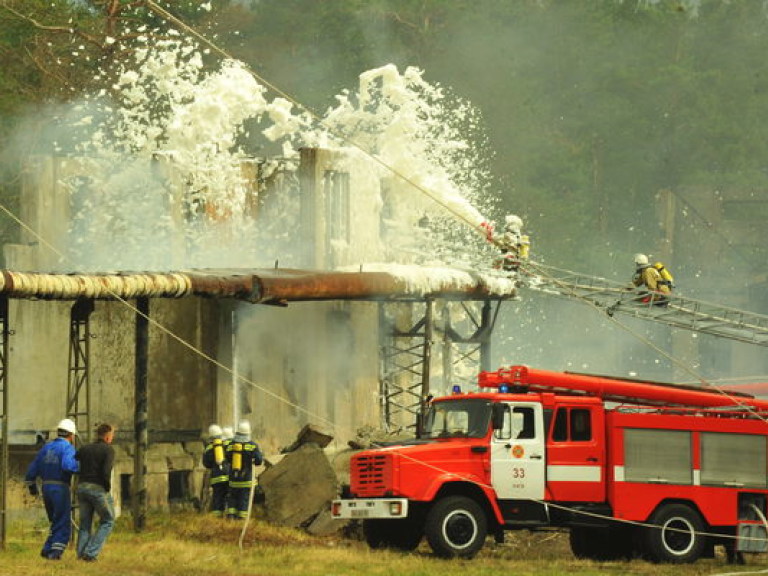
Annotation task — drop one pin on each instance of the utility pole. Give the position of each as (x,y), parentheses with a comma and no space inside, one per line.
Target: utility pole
(141,417)
(4,460)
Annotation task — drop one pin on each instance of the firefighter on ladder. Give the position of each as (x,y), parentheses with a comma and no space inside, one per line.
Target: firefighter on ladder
(214,459)
(242,455)
(646,275)
(655,289)
(514,245)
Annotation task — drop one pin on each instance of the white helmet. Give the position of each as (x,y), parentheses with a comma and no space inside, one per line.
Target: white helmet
(513,222)
(215,431)
(227,432)
(641,259)
(244,427)
(67,426)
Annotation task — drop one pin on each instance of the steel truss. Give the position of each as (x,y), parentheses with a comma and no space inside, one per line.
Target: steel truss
(78,382)
(675,310)
(408,339)
(472,347)
(406,359)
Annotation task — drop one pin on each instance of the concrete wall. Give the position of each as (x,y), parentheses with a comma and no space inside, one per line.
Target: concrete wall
(309,363)
(181,382)
(163,460)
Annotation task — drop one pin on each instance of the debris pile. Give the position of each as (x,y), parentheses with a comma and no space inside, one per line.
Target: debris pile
(299,484)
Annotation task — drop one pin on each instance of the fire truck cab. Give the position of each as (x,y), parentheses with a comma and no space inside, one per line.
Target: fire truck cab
(630,468)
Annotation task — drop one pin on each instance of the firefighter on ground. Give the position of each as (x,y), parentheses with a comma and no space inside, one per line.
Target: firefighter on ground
(648,276)
(215,460)
(514,245)
(242,456)
(54,464)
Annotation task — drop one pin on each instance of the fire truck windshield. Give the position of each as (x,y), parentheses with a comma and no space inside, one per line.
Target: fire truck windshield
(459,418)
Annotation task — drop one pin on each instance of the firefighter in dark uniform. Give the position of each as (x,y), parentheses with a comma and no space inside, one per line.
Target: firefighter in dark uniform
(215,459)
(54,464)
(242,456)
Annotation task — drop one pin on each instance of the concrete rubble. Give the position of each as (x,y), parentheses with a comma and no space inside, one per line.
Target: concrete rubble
(298,484)
(298,488)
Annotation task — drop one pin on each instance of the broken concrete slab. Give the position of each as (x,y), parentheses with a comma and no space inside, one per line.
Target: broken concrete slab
(299,487)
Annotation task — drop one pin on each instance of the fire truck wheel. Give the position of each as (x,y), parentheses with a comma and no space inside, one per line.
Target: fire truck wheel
(398,534)
(456,526)
(678,536)
(583,542)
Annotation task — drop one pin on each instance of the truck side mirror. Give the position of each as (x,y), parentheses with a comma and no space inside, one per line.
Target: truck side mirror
(497,416)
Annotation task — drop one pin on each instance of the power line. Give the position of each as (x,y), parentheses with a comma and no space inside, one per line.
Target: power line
(480,229)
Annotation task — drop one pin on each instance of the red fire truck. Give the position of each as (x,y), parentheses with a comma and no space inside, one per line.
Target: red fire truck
(631,468)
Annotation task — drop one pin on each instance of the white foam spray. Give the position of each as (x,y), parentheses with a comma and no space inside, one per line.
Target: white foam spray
(165,188)
(166,148)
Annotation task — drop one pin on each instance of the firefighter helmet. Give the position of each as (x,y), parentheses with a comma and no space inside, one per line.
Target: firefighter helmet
(215,431)
(227,432)
(513,222)
(244,427)
(641,259)
(66,427)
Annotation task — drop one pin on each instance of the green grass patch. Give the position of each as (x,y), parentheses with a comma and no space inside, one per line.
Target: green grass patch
(192,544)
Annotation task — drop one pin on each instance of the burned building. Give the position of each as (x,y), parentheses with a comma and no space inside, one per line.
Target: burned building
(330,336)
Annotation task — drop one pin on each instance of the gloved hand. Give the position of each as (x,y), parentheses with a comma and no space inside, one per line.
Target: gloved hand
(33,489)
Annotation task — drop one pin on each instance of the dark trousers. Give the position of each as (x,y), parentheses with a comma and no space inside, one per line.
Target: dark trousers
(219,497)
(58,507)
(237,503)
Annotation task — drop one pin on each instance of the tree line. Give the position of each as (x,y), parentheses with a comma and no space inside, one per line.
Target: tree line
(591,108)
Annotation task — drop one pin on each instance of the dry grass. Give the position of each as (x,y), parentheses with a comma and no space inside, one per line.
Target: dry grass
(192,544)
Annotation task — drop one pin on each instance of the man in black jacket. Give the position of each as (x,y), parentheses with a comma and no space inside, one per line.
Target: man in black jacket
(93,493)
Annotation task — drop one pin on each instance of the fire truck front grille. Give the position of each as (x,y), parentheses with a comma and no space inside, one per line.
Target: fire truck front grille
(369,474)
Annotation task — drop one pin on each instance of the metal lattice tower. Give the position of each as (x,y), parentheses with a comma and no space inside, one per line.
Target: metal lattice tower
(406,361)
(409,339)
(467,342)
(78,382)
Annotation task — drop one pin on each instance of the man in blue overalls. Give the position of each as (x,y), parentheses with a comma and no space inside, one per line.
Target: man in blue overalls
(54,465)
